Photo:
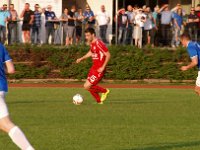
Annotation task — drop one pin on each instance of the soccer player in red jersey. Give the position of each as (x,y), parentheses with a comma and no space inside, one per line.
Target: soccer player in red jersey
(100,56)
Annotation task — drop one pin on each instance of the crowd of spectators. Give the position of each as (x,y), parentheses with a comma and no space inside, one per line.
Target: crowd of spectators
(162,26)
(137,26)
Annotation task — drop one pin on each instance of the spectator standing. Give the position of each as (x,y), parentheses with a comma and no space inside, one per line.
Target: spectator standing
(177,25)
(64,19)
(50,16)
(71,25)
(103,20)
(4,15)
(166,20)
(79,25)
(123,24)
(12,25)
(192,24)
(155,25)
(140,18)
(198,14)
(89,17)
(28,18)
(131,16)
(36,27)
(148,26)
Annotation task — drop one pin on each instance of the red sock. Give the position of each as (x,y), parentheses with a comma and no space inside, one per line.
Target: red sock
(98,89)
(95,95)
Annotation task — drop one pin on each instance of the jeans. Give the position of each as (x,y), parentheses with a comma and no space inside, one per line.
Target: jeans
(12,33)
(50,31)
(129,34)
(2,34)
(193,32)
(35,34)
(176,37)
(102,32)
(122,35)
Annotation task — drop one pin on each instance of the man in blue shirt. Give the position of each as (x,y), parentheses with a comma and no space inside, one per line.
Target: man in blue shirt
(4,15)
(36,27)
(166,19)
(6,124)
(193,49)
(49,17)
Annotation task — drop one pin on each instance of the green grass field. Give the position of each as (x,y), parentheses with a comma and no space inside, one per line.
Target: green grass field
(131,119)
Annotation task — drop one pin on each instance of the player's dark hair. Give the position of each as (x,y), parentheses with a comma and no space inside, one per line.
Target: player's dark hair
(11,4)
(27,4)
(186,36)
(90,30)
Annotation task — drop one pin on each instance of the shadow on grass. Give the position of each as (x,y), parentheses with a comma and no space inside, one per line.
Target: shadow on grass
(169,146)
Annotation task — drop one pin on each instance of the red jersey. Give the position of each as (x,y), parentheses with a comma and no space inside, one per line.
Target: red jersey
(98,48)
(198,14)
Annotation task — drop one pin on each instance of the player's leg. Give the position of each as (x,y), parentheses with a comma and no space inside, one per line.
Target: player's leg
(88,86)
(13,131)
(197,88)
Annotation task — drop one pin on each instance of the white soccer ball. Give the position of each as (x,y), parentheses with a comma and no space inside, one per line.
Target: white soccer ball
(77,99)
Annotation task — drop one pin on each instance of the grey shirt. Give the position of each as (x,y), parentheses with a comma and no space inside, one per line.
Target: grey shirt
(166,17)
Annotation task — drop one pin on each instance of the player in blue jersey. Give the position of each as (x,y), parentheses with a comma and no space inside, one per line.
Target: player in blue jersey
(193,49)
(6,124)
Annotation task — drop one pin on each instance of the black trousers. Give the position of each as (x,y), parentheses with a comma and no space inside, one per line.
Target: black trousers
(166,33)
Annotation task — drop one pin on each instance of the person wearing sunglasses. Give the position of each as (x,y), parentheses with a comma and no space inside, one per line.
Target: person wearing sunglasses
(192,24)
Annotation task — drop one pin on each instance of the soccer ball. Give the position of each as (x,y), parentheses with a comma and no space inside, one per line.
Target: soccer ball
(77,99)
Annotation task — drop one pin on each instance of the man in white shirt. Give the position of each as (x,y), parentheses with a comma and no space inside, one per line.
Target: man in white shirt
(103,21)
(140,19)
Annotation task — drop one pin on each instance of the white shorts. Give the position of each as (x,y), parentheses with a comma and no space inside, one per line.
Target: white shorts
(3,107)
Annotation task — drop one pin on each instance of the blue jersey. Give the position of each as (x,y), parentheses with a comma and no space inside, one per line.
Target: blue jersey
(4,56)
(193,49)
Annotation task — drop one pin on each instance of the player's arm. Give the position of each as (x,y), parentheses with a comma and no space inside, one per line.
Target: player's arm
(10,67)
(107,58)
(194,62)
(89,54)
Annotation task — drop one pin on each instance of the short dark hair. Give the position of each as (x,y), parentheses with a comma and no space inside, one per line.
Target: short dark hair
(186,36)
(90,30)
(11,4)
(27,4)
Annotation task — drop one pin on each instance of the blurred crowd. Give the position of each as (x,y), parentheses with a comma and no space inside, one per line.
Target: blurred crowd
(161,26)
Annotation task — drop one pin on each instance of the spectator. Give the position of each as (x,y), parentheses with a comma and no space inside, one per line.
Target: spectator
(177,24)
(192,24)
(148,26)
(103,21)
(12,25)
(4,15)
(155,25)
(71,25)
(198,14)
(28,18)
(79,25)
(123,24)
(89,17)
(166,20)
(49,25)
(64,18)
(140,18)
(131,16)
(36,28)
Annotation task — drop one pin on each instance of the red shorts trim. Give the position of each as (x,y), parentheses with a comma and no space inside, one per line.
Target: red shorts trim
(94,76)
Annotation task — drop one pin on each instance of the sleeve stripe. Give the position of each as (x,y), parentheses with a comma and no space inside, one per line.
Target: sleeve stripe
(194,56)
(7,60)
